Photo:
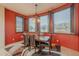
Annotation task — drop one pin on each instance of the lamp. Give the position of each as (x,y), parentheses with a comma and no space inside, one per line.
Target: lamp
(36,16)
(37,19)
(36,9)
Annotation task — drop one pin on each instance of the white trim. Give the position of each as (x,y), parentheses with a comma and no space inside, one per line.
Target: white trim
(13,44)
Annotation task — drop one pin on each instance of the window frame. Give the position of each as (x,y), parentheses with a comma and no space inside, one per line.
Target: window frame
(48,23)
(22,24)
(35,26)
(71,19)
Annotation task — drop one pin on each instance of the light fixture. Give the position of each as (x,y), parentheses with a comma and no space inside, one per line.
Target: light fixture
(37,19)
(36,9)
(36,16)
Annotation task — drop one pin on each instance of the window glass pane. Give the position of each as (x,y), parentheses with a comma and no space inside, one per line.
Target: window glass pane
(32,25)
(19,24)
(44,23)
(62,21)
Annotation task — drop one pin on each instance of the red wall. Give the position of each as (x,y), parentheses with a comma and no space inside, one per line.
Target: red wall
(10,24)
(70,41)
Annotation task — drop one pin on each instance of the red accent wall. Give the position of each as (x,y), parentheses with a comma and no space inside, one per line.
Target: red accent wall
(10,24)
(69,41)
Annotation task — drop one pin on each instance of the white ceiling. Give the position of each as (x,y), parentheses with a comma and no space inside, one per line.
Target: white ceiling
(29,8)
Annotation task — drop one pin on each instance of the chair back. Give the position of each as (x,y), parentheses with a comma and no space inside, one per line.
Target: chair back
(26,40)
(32,40)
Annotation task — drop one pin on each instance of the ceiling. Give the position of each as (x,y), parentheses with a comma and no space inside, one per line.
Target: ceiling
(29,8)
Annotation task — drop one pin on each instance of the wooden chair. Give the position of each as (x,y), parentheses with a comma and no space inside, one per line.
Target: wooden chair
(31,45)
(26,40)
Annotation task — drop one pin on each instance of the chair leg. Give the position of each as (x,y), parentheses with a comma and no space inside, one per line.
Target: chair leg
(58,48)
(35,49)
(49,50)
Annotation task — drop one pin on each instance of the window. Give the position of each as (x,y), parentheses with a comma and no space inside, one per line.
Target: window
(44,23)
(62,21)
(19,24)
(32,25)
